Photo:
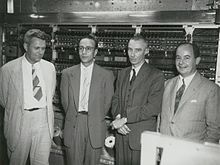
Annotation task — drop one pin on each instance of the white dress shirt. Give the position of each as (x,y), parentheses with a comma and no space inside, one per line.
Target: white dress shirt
(29,100)
(86,73)
(187,81)
(137,68)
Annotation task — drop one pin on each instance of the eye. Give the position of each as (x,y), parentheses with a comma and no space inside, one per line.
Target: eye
(178,58)
(186,57)
(89,48)
(138,50)
(81,48)
(129,49)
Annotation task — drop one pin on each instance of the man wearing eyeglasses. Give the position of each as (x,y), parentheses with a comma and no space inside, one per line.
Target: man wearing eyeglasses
(86,93)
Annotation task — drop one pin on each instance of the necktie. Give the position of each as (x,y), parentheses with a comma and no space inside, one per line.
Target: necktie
(84,100)
(179,94)
(133,77)
(36,88)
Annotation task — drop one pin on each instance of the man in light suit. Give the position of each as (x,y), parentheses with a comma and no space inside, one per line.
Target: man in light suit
(86,93)
(196,115)
(28,119)
(136,103)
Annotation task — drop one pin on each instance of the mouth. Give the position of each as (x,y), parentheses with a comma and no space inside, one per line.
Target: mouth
(182,67)
(84,56)
(132,59)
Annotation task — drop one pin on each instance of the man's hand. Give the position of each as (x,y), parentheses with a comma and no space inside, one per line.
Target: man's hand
(124,130)
(118,122)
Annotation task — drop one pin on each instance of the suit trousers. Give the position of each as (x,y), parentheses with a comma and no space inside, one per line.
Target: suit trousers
(124,154)
(35,140)
(81,151)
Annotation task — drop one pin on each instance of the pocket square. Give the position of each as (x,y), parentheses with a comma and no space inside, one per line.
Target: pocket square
(193,101)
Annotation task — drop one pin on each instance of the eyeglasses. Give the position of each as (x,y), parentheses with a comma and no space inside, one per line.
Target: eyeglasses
(88,48)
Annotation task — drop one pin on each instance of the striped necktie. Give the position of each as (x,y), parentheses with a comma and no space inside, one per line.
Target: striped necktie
(179,94)
(36,88)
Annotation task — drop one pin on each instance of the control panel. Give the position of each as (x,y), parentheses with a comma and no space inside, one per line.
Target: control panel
(62,50)
(207,40)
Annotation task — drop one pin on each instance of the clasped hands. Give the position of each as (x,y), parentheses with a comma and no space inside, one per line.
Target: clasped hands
(120,124)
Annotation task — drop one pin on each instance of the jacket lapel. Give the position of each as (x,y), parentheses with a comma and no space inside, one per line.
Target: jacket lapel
(173,89)
(18,77)
(190,91)
(45,77)
(93,86)
(124,84)
(143,72)
(75,84)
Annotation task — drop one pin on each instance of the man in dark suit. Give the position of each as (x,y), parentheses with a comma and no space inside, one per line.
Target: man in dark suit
(136,103)
(196,114)
(86,93)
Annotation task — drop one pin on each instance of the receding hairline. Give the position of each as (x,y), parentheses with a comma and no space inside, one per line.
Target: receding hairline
(34,33)
(138,40)
(193,46)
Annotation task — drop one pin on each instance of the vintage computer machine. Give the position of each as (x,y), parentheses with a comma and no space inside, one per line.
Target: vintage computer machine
(165,24)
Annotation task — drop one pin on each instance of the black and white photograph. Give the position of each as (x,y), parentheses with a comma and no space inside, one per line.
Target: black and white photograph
(109,82)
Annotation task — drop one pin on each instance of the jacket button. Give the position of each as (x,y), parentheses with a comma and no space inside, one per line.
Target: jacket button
(172,122)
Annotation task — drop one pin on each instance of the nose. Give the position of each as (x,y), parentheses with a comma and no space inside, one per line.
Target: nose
(84,50)
(132,53)
(42,51)
(180,61)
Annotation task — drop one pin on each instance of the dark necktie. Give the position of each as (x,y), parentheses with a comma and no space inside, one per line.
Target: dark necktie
(36,88)
(179,94)
(133,77)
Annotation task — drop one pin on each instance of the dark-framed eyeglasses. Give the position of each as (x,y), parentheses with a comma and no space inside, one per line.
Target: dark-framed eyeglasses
(87,48)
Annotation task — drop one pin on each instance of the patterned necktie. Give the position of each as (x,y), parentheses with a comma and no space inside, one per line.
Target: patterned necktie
(36,88)
(179,94)
(133,77)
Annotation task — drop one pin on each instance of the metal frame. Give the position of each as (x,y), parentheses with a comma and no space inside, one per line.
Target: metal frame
(116,17)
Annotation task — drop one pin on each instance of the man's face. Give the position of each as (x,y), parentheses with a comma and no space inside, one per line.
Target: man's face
(185,60)
(87,51)
(136,51)
(35,50)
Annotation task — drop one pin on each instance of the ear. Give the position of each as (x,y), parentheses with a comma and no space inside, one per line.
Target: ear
(146,51)
(198,59)
(25,46)
(95,52)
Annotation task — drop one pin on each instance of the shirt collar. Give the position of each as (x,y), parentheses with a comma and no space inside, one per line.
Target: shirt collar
(138,67)
(26,62)
(187,79)
(88,67)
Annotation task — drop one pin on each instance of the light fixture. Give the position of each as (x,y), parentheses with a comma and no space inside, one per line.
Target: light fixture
(10,6)
(36,16)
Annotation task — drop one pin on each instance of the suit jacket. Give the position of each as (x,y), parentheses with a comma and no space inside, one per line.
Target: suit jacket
(198,115)
(144,103)
(100,96)
(12,98)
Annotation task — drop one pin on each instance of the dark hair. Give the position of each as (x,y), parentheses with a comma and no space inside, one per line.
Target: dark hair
(35,33)
(91,37)
(195,48)
(138,37)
